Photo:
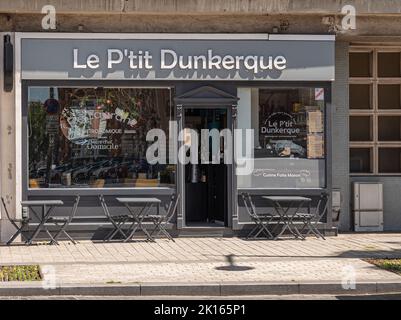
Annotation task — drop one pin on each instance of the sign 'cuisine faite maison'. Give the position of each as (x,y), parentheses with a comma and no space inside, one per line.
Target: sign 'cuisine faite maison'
(119,59)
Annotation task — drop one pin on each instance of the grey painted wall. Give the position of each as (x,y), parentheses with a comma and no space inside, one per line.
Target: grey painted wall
(340,160)
(340,132)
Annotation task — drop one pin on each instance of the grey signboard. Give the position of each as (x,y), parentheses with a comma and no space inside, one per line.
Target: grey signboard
(263,60)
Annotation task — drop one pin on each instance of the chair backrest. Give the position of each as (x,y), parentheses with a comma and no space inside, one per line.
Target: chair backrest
(104,206)
(13,221)
(172,207)
(75,207)
(5,209)
(249,206)
(322,206)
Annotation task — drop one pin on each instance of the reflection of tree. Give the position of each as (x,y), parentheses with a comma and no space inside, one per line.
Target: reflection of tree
(133,110)
(144,105)
(38,142)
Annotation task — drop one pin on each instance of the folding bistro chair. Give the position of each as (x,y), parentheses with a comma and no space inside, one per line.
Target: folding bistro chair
(62,223)
(117,221)
(24,222)
(161,221)
(261,221)
(311,220)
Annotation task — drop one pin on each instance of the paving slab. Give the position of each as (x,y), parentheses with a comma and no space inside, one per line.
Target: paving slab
(211,266)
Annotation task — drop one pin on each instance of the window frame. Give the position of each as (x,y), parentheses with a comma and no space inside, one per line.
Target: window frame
(327,131)
(85,84)
(374,112)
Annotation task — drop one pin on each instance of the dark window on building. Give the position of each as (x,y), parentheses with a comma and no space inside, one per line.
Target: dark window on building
(360,160)
(389,160)
(389,128)
(360,96)
(375,110)
(360,64)
(389,96)
(389,64)
(360,128)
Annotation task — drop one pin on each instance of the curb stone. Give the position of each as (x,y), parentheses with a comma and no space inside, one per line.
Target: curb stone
(196,289)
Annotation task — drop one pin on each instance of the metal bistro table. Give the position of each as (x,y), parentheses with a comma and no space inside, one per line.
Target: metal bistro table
(47,209)
(283,206)
(138,216)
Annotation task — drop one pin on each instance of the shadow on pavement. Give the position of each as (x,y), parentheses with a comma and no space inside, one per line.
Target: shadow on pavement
(232,266)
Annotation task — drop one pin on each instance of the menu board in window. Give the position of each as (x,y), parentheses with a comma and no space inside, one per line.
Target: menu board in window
(315,146)
(315,121)
(315,138)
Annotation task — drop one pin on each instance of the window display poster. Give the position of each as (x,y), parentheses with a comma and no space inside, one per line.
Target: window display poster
(315,146)
(319,94)
(315,121)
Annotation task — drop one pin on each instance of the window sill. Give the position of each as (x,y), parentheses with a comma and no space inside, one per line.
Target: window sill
(98,191)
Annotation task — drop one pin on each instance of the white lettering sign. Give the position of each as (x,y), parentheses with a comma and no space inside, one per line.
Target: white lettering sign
(169,59)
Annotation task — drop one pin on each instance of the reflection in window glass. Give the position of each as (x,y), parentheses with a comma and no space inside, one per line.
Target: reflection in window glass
(96,137)
(360,160)
(290,125)
(289,137)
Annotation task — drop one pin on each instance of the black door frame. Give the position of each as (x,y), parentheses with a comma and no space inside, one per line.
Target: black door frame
(206,97)
(228,126)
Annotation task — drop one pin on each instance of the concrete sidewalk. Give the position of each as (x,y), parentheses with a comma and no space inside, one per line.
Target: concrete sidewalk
(210,266)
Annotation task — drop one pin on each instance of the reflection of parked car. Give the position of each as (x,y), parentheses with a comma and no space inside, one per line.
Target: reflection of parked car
(55,173)
(75,169)
(83,173)
(267,152)
(281,146)
(107,170)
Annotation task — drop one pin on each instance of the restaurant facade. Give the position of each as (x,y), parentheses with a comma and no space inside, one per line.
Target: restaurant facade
(79,112)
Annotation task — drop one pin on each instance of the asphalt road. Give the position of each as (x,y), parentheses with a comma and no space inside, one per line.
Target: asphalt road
(395,296)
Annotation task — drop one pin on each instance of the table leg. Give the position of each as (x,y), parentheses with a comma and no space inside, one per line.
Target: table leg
(138,221)
(37,230)
(45,214)
(282,213)
(297,233)
(134,226)
(287,220)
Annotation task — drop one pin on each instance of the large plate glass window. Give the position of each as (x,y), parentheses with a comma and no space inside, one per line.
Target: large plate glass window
(288,137)
(96,137)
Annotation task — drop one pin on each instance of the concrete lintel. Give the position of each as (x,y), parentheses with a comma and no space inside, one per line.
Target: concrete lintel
(203,6)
